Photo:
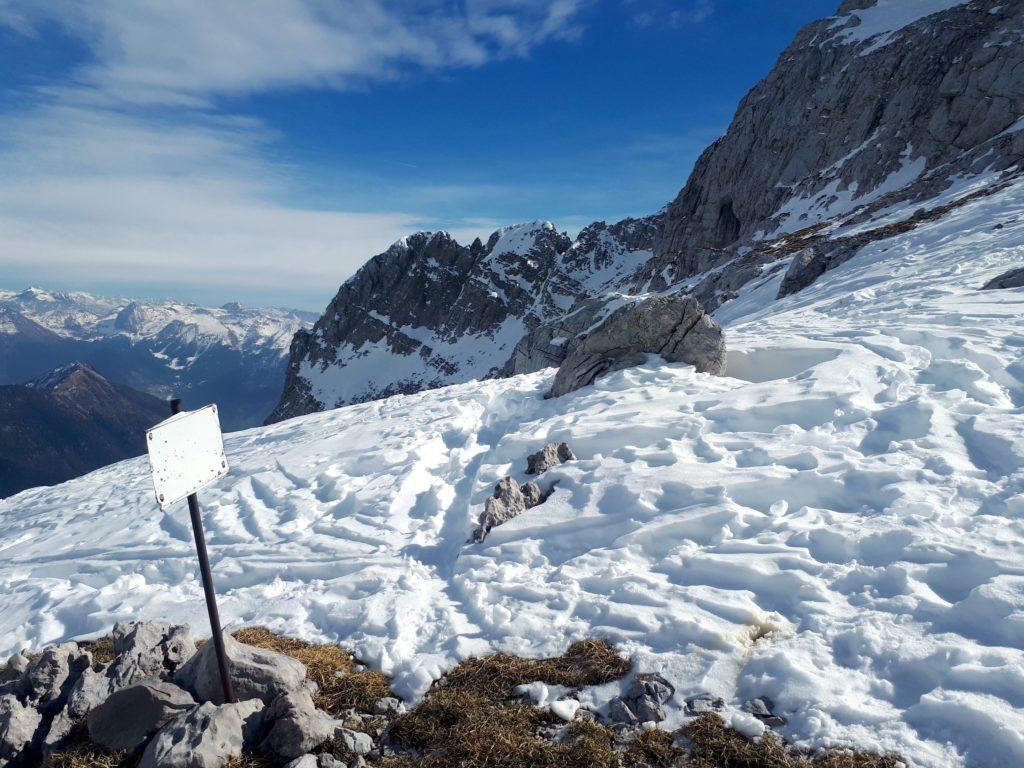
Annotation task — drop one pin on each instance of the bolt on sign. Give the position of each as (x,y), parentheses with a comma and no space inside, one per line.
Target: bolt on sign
(186,453)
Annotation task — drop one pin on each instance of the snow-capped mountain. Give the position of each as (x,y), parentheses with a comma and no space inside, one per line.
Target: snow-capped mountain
(874,120)
(231,354)
(837,525)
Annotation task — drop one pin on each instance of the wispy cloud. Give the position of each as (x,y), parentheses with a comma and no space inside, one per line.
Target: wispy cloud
(128,171)
(646,13)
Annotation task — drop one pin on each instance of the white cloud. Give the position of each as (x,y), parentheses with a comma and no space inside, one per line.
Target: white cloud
(184,51)
(124,173)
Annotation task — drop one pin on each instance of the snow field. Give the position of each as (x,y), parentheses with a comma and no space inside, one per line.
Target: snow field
(839,525)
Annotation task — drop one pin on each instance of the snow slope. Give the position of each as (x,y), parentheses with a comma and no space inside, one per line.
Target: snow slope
(839,525)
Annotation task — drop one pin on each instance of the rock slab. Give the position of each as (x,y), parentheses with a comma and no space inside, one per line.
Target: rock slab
(256,673)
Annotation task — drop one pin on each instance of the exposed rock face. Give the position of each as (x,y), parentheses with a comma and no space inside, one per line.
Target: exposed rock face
(429,312)
(675,327)
(1012,279)
(256,673)
(18,724)
(866,111)
(854,109)
(551,455)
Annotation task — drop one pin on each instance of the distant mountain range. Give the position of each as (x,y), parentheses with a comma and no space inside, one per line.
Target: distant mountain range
(230,355)
(67,423)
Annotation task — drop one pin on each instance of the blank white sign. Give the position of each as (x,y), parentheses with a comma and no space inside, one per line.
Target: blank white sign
(186,453)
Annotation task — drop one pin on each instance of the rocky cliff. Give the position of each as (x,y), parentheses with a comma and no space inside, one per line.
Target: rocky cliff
(874,119)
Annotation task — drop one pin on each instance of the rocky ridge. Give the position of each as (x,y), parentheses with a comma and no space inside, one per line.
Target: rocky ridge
(869,119)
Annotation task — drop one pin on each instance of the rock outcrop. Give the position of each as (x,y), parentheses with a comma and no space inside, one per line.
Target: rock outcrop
(510,500)
(551,455)
(869,118)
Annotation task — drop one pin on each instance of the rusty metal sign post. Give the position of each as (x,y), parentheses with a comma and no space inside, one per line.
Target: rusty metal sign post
(186,453)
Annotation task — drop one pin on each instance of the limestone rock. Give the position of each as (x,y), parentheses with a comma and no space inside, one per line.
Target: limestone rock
(149,648)
(49,678)
(551,455)
(207,736)
(256,673)
(18,725)
(297,725)
(703,703)
(128,717)
(356,742)
(1012,279)
(675,327)
(510,500)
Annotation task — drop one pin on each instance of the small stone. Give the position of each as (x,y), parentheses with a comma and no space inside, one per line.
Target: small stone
(388,705)
(298,726)
(703,703)
(256,673)
(647,709)
(551,455)
(759,707)
(356,742)
(619,712)
(128,717)
(653,685)
(306,761)
(330,761)
(208,736)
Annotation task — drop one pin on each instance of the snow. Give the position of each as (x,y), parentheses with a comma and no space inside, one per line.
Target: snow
(519,239)
(884,19)
(837,526)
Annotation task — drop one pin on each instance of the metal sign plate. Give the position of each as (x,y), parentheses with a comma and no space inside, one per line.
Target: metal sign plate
(186,453)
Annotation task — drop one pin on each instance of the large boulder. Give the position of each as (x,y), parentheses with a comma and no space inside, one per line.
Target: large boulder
(128,717)
(510,500)
(298,726)
(18,725)
(256,673)
(675,327)
(1012,279)
(207,736)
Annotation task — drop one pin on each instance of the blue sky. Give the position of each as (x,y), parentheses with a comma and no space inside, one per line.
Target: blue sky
(262,151)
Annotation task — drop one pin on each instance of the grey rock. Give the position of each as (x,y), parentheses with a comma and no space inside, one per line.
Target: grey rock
(330,761)
(763,709)
(510,500)
(675,327)
(620,712)
(653,685)
(256,673)
(149,649)
(90,690)
(551,455)
(207,736)
(15,668)
(18,726)
(703,703)
(388,705)
(297,726)
(356,742)
(1012,279)
(306,761)
(128,717)
(50,677)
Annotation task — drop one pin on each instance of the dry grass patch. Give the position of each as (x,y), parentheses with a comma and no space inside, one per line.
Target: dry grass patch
(715,746)
(102,650)
(85,755)
(467,720)
(653,747)
(332,668)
